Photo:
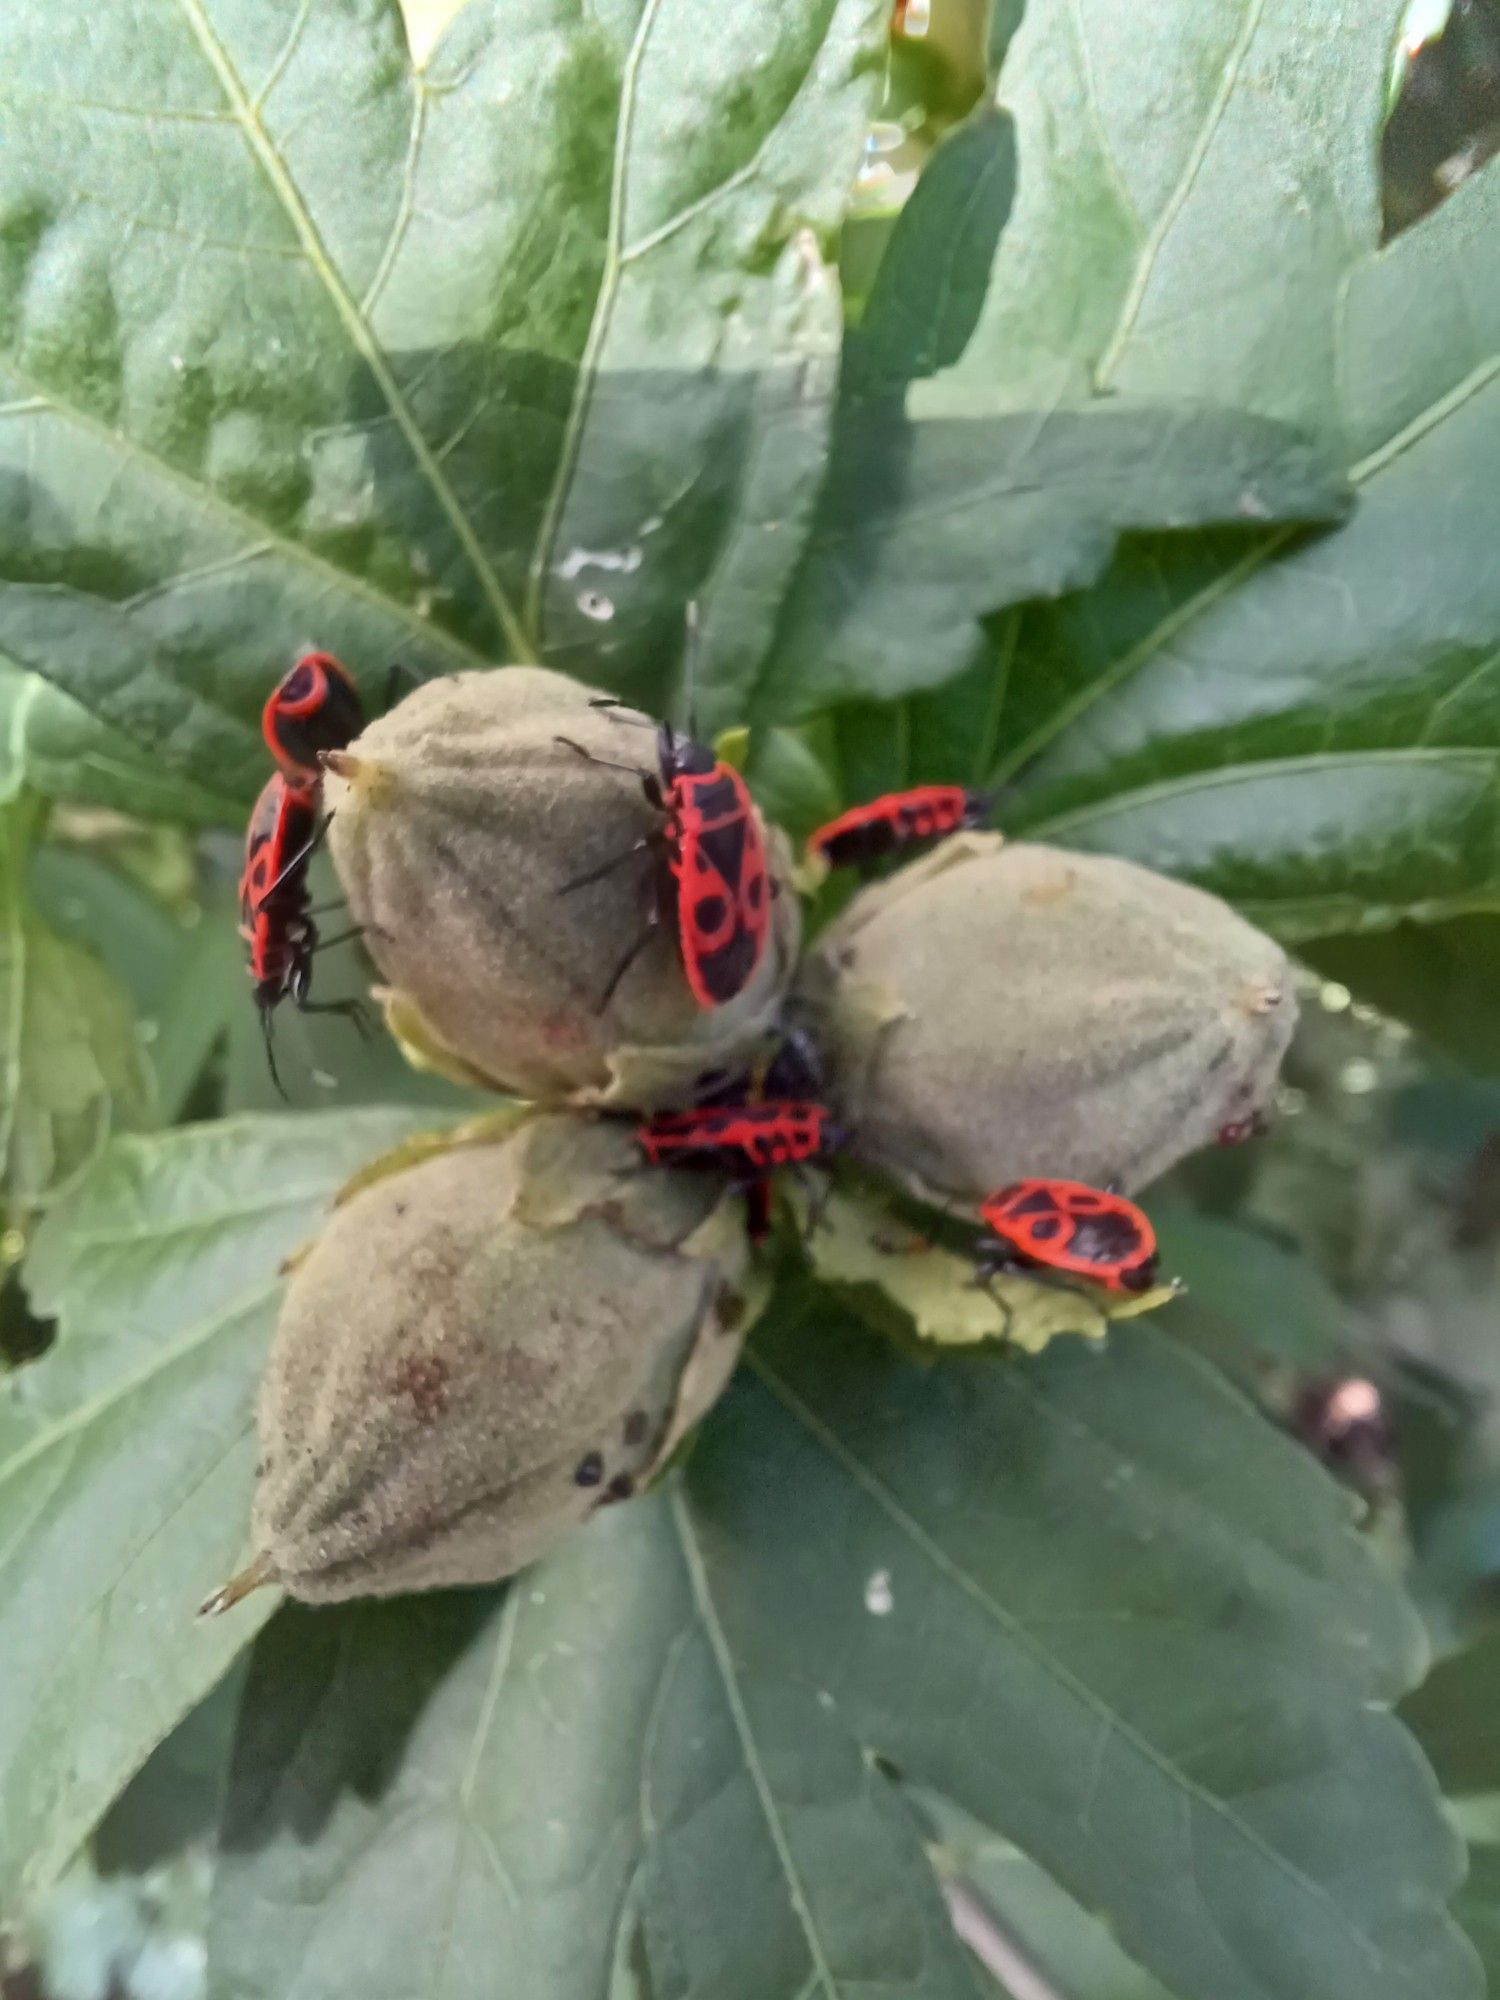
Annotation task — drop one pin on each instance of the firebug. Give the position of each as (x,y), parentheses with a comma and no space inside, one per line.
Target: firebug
(316,706)
(276,920)
(1071,1229)
(868,833)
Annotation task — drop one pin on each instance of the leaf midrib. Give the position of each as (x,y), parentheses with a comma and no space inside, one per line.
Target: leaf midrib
(604,305)
(692,1557)
(466,1822)
(1484,764)
(932,1552)
(1135,657)
(271,539)
(155,1363)
(14,962)
(1172,207)
(247,116)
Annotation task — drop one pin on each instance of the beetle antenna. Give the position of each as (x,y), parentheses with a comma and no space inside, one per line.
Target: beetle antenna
(690,647)
(266,1037)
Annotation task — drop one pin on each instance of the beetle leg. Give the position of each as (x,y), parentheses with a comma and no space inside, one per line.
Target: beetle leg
(1020,1266)
(397,672)
(607,868)
(266,1037)
(609,763)
(648,931)
(304,853)
(339,937)
(352,1011)
(990,1265)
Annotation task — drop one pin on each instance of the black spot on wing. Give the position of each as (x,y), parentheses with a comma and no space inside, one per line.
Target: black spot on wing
(726,972)
(1105,1239)
(870,842)
(723,847)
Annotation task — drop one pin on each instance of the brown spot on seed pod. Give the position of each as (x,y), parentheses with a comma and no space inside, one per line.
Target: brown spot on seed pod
(423,1377)
(729,1311)
(619,1488)
(558,1031)
(636,1425)
(1052,888)
(1258,999)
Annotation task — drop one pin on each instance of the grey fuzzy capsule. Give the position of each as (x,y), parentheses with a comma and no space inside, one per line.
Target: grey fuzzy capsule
(463,826)
(481,1350)
(997,1011)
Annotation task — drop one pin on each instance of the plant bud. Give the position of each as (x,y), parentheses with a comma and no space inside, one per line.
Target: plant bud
(460,825)
(997,1011)
(479,1351)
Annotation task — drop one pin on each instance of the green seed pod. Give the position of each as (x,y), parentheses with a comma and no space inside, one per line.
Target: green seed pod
(996,1011)
(460,822)
(479,1351)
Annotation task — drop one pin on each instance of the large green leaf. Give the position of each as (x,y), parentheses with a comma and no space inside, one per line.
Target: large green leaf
(1197,189)
(380,357)
(127,1453)
(1310,729)
(1307,724)
(542,1789)
(925,525)
(1093,1598)
(1197,179)
(69,1060)
(1100,1604)
(52,745)
(932,279)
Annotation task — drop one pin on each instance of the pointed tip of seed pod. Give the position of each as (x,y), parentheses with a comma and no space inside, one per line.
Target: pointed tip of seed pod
(1261,997)
(370,780)
(239,1586)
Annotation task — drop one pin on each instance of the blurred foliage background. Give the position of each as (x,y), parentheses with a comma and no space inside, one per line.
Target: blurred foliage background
(1359,1244)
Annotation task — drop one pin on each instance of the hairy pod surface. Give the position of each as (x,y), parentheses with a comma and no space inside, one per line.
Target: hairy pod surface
(1000,1010)
(460,823)
(481,1349)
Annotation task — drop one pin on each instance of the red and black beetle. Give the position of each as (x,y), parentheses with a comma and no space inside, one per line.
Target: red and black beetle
(275,918)
(870,832)
(313,707)
(780,1132)
(749,1141)
(715,885)
(1068,1228)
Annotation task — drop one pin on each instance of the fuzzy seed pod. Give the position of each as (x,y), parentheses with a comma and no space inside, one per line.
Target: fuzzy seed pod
(996,1011)
(460,822)
(479,1351)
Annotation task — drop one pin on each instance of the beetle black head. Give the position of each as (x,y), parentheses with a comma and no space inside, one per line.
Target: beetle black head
(315,707)
(1139,1277)
(683,756)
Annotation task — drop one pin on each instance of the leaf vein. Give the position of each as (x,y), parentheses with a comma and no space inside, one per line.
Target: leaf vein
(1172,208)
(207,496)
(1080,1691)
(692,1557)
(357,328)
(609,279)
